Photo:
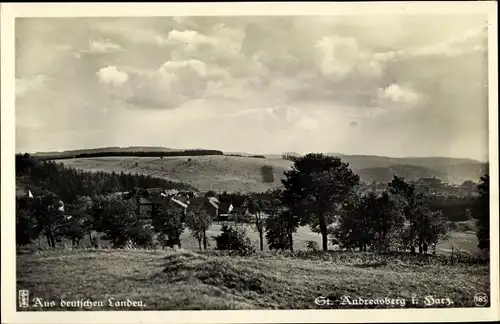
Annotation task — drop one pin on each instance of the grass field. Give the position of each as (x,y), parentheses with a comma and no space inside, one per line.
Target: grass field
(192,279)
(460,242)
(182,280)
(216,173)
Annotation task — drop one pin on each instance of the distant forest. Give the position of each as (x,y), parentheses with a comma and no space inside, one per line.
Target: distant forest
(61,156)
(247,156)
(455,209)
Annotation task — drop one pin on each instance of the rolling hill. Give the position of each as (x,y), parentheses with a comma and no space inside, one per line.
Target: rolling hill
(451,170)
(232,173)
(217,173)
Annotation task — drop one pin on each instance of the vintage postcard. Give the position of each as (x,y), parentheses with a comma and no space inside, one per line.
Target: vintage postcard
(249,162)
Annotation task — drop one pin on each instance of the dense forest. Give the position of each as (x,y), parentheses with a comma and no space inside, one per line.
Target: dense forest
(454,209)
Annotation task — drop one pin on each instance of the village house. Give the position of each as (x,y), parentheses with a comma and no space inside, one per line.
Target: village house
(148,206)
(433,183)
(209,204)
(155,191)
(149,200)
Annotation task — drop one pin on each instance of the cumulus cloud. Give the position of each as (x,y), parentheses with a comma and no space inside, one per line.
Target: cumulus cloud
(336,56)
(190,38)
(222,45)
(173,83)
(103,46)
(111,75)
(174,66)
(398,94)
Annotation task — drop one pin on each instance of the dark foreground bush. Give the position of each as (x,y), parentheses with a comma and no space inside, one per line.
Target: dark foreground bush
(234,239)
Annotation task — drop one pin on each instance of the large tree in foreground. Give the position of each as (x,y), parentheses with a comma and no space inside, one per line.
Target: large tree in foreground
(119,221)
(49,217)
(257,207)
(281,224)
(315,187)
(168,224)
(422,226)
(198,220)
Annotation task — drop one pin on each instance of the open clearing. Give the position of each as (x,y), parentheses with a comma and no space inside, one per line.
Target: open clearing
(218,173)
(177,280)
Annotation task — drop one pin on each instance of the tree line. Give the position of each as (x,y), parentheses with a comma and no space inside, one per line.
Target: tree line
(62,156)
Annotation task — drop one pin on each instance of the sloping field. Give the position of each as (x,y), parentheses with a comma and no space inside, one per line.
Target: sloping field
(233,173)
(216,173)
(160,280)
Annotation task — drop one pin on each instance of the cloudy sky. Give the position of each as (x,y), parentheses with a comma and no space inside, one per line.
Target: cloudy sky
(394,86)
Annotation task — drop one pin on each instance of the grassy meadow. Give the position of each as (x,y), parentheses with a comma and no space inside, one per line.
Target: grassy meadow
(189,280)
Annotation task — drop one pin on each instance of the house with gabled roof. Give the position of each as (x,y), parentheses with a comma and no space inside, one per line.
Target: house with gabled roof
(180,202)
(150,205)
(241,211)
(182,198)
(155,191)
(210,205)
(171,192)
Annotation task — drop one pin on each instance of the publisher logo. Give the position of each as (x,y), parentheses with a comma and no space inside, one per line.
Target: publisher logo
(24,297)
(480,299)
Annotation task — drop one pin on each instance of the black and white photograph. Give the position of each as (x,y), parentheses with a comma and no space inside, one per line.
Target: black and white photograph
(237,161)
